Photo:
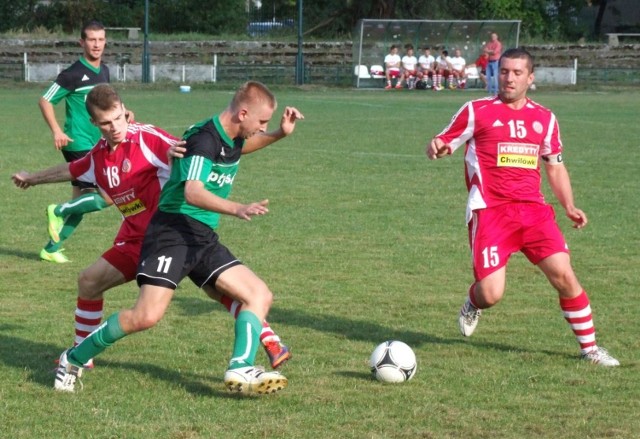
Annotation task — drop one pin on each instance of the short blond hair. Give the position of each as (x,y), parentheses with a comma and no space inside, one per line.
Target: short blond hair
(252,92)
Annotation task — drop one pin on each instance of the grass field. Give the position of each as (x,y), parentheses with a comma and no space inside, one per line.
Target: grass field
(365,241)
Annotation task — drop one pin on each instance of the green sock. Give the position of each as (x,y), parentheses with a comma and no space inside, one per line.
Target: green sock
(86,203)
(73,211)
(99,340)
(245,347)
(70,225)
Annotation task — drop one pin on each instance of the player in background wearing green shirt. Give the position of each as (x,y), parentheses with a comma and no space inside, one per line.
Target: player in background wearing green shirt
(180,241)
(78,136)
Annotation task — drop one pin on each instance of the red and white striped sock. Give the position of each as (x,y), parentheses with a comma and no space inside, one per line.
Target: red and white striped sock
(577,312)
(472,295)
(88,318)
(233,306)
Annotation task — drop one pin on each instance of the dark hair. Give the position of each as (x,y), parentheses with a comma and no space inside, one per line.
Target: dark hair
(445,52)
(90,25)
(102,97)
(408,46)
(518,53)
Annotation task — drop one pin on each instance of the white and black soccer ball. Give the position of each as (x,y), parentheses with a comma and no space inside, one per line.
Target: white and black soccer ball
(393,362)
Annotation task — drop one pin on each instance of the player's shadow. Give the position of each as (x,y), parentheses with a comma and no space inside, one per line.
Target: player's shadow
(370,332)
(38,360)
(358,329)
(9,251)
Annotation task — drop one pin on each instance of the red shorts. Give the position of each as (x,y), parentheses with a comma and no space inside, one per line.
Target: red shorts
(124,258)
(394,73)
(498,232)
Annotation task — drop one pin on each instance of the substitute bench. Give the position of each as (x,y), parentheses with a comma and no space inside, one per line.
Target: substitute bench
(132,32)
(614,39)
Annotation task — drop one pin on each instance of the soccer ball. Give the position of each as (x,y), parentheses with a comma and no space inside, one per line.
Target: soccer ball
(532,86)
(393,362)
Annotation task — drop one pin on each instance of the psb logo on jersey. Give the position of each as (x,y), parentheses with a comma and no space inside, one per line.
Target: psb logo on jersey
(220,179)
(126,166)
(518,155)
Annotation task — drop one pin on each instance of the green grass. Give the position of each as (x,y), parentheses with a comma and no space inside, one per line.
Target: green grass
(365,241)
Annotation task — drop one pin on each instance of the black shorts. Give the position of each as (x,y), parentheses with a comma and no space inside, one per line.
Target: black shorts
(70,156)
(176,246)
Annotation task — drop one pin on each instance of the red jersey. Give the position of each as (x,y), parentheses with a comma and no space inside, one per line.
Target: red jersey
(496,48)
(503,150)
(132,175)
(482,62)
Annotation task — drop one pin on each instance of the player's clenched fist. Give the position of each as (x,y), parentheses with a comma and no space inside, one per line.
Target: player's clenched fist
(437,149)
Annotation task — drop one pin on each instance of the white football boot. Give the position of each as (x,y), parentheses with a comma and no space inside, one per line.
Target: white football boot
(254,380)
(66,375)
(601,357)
(468,318)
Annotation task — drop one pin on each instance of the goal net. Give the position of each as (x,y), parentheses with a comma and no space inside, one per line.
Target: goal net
(373,38)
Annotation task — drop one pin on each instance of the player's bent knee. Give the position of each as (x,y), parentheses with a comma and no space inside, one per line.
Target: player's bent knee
(88,286)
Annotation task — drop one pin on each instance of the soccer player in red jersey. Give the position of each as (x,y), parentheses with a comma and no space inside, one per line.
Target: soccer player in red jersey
(506,138)
(129,165)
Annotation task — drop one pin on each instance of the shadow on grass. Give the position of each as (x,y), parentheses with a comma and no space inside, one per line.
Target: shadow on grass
(38,360)
(33,256)
(358,329)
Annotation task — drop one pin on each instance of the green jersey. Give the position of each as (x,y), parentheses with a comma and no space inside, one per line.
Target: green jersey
(211,157)
(73,85)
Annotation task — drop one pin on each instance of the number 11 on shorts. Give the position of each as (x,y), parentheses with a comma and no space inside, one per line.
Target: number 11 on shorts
(163,264)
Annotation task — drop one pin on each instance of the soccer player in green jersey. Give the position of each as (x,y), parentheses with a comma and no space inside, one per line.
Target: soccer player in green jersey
(181,241)
(78,136)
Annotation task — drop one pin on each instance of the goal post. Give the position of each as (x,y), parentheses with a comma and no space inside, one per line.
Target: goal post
(373,38)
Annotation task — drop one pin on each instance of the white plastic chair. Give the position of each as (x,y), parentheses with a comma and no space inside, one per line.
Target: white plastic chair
(377,72)
(361,72)
(472,73)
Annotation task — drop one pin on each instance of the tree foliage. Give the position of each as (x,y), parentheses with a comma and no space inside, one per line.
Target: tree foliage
(541,19)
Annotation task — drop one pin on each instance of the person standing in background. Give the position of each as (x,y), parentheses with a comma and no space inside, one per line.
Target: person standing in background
(78,136)
(494,50)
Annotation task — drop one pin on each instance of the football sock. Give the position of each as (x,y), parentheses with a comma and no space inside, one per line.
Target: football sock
(88,317)
(70,224)
(577,312)
(97,342)
(85,203)
(472,295)
(267,333)
(245,346)
(233,306)
(73,211)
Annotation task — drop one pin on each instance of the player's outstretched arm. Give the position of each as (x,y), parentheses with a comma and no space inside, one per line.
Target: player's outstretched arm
(287,126)
(437,149)
(55,174)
